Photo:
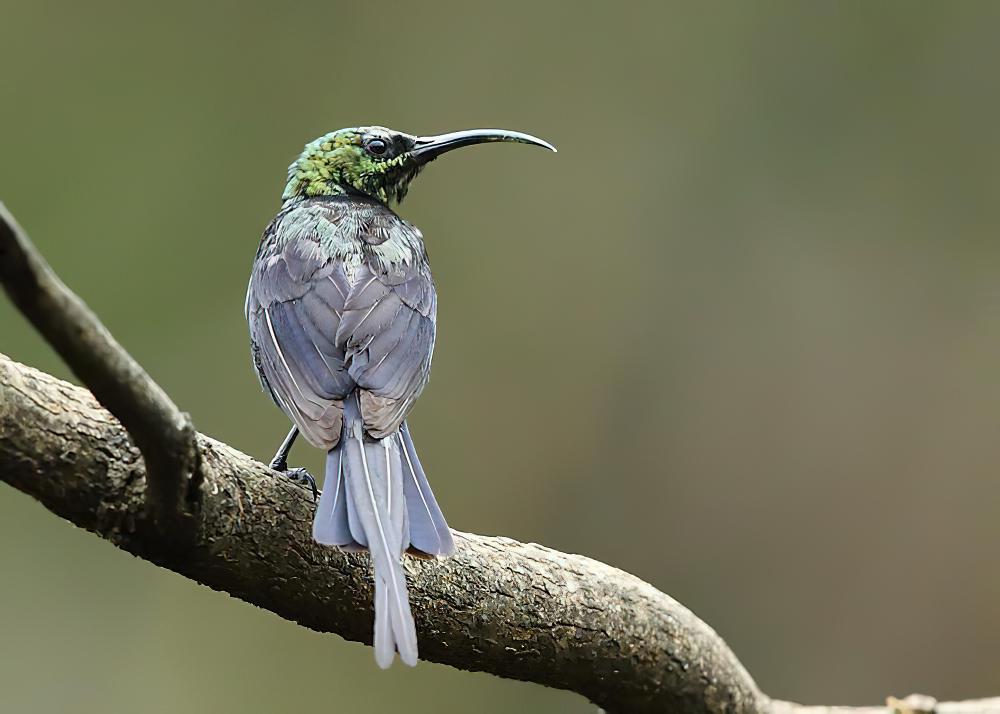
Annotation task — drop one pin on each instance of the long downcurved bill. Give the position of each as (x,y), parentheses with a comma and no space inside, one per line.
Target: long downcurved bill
(427,148)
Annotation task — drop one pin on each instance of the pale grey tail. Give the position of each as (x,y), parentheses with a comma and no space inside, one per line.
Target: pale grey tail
(376,497)
(429,532)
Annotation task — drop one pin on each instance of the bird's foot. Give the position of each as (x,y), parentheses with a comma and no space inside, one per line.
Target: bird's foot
(305,478)
(298,475)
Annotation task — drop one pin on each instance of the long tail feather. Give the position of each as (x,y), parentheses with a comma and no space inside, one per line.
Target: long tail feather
(374,475)
(429,532)
(376,497)
(331,525)
(383,642)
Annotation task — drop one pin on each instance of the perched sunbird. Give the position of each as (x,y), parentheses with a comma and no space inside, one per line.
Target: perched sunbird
(342,313)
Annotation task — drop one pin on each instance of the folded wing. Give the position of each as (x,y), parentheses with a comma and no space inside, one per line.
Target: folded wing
(388,330)
(294,306)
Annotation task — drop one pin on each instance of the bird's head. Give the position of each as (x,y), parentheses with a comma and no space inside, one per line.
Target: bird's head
(377,161)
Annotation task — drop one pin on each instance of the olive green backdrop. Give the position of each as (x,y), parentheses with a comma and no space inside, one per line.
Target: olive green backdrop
(739,337)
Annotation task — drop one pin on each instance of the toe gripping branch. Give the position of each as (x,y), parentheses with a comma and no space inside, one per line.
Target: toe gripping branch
(298,475)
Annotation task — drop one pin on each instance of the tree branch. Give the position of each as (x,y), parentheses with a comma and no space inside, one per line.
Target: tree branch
(163,433)
(516,610)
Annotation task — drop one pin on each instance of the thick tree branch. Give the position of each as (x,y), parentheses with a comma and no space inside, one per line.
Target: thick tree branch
(513,609)
(163,433)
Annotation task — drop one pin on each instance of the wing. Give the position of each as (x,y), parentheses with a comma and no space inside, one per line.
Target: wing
(295,301)
(388,329)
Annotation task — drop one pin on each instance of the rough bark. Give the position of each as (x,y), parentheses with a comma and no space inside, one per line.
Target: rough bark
(516,610)
(163,433)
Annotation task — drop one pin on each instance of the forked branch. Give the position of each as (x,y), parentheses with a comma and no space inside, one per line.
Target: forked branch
(163,433)
(513,609)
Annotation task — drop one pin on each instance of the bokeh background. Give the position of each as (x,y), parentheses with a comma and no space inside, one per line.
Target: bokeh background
(739,337)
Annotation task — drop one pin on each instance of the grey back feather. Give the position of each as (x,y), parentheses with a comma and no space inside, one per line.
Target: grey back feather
(342,311)
(341,297)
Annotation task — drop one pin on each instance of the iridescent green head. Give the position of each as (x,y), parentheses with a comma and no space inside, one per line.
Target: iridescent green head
(377,161)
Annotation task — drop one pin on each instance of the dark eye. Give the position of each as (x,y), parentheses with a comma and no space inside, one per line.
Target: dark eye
(376,147)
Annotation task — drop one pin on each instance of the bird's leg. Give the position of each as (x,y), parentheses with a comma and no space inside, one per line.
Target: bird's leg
(280,460)
(280,464)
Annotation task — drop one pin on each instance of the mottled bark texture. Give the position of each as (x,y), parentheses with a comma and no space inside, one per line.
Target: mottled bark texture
(513,609)
(164,434)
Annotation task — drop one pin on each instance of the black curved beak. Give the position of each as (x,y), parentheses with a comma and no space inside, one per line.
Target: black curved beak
(427,148)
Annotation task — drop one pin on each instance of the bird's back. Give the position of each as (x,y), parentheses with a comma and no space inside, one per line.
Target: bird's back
(341,298)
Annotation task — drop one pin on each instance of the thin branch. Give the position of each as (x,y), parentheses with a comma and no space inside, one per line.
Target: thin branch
(913,704)
(163,433)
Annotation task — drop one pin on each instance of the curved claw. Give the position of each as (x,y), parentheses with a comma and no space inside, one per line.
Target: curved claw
(300,476)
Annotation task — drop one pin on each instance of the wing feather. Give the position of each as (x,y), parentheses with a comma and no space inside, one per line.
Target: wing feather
(389,330)
(321,327)
(294,304)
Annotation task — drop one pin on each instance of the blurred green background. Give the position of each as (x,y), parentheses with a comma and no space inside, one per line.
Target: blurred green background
(739,337)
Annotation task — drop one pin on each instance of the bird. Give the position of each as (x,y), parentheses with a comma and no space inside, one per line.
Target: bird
(342,312)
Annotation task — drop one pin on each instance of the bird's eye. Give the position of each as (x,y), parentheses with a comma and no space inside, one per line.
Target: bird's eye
(376,147)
